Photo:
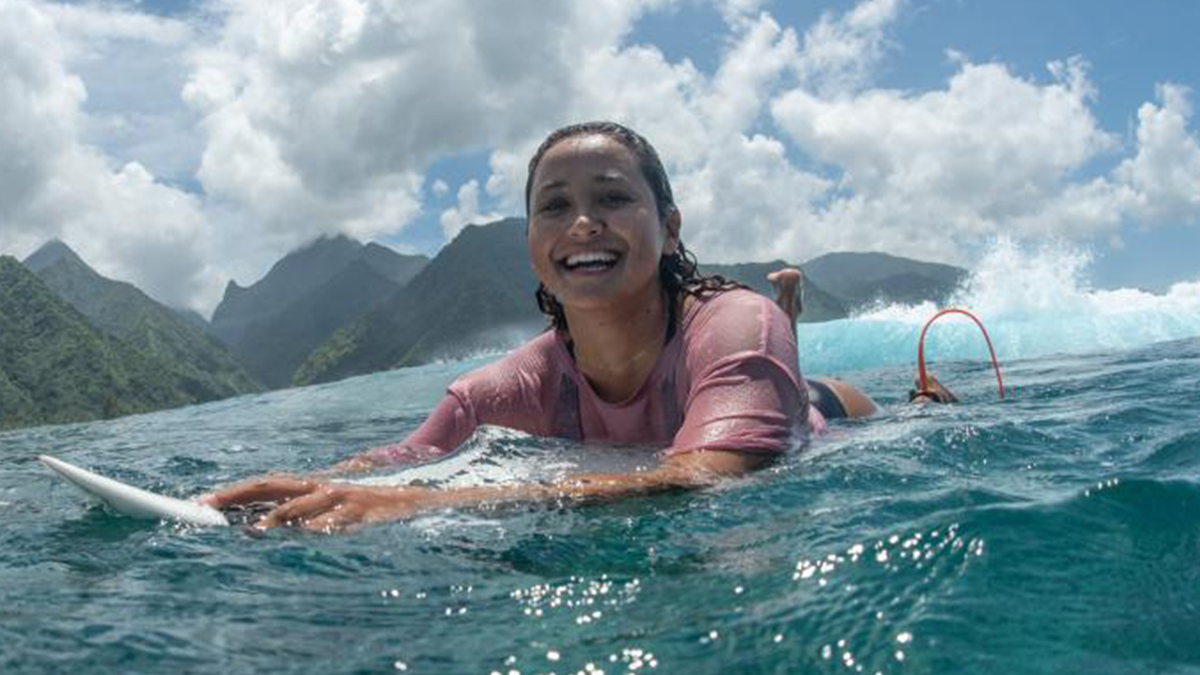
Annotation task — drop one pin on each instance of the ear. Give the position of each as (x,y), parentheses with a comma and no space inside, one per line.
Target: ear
(673,224)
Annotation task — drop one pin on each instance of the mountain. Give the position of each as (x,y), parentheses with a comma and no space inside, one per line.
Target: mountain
(201,366)
(194,318)
(819,305)
(274,324)
(476,294)
(55,367)
(864,278)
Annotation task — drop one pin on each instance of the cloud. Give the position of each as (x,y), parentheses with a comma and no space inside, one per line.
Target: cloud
(840,52)
(990,150)
(118,216)
(453,220)
(314,110)
(1165,172)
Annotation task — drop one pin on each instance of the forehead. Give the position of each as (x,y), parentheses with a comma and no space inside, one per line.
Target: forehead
(587,156)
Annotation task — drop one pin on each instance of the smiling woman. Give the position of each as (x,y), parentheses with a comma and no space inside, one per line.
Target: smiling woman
(642,349)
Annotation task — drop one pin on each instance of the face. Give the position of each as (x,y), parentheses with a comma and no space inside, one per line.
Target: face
(595,236)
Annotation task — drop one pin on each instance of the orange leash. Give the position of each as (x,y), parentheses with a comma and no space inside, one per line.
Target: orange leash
(921,349)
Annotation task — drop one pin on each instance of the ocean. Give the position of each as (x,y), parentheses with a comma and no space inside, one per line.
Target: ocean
(1055,531)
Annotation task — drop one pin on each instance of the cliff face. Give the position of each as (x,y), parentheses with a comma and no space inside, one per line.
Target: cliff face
(55,367)
(273,325)
(476,294)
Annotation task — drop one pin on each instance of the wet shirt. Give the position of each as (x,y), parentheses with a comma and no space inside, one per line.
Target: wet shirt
(727,380)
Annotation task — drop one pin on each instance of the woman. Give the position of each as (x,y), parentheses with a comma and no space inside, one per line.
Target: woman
(642,350)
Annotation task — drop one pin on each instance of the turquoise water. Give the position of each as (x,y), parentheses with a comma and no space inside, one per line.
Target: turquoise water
(1055,532)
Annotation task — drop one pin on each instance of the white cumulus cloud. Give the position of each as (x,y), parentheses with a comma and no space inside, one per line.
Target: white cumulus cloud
(53,183)
(454,219)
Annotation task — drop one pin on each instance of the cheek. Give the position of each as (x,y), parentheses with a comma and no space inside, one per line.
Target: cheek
(539,254)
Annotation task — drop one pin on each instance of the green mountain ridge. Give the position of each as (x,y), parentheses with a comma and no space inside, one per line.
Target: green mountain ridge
(200,365)
(273,325)
(55,367)
(478,286)
(862,279)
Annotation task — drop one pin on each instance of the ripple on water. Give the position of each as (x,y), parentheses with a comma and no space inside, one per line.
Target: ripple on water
(1105,578)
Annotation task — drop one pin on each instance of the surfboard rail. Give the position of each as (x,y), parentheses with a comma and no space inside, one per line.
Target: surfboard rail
(133,501)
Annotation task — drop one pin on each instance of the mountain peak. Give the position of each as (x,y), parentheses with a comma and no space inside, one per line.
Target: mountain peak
(51,253)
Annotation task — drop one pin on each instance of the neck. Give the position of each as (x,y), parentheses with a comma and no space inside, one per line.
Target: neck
(617,348)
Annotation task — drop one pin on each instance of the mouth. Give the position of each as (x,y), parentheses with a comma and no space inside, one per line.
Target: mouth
(590,261)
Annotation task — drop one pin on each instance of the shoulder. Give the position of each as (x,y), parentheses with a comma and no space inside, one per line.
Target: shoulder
(720,303)
(736,321)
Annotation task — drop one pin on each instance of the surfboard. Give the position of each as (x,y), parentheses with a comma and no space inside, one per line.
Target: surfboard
(133,501)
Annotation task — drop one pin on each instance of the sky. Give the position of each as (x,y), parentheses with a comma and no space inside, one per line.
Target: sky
(179,144)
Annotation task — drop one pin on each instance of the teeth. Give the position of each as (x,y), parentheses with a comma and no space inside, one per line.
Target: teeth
(590,257)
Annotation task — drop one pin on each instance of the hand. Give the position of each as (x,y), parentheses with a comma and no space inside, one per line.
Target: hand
(330,507)
(276,489)
(319,506)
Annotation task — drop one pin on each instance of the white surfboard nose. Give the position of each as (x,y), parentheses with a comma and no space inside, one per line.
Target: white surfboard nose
(132,501)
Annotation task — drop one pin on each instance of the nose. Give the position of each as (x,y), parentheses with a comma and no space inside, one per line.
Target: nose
(584,226)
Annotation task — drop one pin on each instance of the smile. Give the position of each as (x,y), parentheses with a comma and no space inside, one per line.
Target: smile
(591,261)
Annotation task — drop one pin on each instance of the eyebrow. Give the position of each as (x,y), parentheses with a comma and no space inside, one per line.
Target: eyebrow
(609,177)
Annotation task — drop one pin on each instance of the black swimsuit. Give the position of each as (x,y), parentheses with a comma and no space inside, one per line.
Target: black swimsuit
(821,396)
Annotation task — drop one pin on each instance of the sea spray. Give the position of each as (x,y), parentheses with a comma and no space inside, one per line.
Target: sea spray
(1035,301)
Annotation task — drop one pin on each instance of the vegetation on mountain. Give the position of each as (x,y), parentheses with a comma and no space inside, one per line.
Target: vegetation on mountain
(476,295)
(55,367)
(200,365)
(862,279)
(273,325)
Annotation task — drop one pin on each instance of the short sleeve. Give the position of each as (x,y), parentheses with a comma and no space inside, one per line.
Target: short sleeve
(450,423)
(745,391)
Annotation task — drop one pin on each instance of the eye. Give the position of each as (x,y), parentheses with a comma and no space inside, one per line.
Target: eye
(553,205)
(615,198)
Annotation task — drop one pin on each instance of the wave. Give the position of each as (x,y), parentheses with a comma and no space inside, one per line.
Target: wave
(1035,301)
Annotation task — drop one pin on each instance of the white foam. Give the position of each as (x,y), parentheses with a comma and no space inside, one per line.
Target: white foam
(1034,301)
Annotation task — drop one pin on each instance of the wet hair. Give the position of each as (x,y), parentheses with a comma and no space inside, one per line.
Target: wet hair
(679,272)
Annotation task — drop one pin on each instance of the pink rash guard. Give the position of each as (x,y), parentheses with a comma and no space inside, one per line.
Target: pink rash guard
(727,380)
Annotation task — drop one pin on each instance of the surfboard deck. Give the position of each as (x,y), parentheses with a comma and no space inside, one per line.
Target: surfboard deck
(133,501)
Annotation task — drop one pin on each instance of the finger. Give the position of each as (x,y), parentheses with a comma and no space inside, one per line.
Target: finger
(299,510)
(341,518)
(277,489)
(258,490)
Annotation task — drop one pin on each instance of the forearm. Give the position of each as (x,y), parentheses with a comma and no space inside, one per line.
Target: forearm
(583,487)
(328,506)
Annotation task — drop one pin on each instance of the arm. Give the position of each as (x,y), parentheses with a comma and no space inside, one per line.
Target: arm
(328,507)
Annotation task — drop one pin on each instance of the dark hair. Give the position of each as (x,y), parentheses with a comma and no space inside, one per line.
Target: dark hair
(678,271)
